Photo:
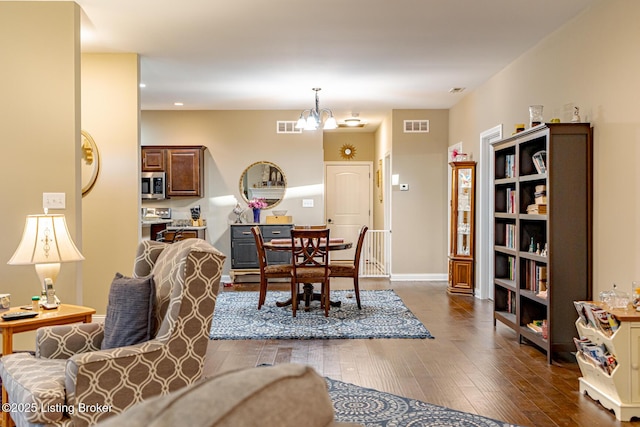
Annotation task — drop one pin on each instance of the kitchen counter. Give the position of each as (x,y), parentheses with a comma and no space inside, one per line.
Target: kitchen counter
(150,222)
(187,227)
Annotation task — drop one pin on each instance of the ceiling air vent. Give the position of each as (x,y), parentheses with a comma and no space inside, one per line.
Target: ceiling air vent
(283,126)
(416,126)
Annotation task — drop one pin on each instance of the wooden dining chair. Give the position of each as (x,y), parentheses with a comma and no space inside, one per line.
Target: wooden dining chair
(275,271)
(310,227)
(310,264)
(351,269)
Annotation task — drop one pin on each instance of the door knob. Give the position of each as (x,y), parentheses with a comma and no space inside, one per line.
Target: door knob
(329,221)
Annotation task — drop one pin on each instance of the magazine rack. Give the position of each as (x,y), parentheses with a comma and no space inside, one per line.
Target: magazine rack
(619,390)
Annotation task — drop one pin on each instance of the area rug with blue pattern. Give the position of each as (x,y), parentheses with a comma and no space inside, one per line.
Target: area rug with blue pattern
(374,408)
(383,315)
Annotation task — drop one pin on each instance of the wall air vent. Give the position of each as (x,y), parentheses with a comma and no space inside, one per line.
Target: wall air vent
(283,126)
(416,126)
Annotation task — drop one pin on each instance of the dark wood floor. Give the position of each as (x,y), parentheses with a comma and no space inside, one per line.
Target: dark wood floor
(469,366)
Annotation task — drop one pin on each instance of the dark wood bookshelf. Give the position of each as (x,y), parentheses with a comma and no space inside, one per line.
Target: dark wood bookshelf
(566,229)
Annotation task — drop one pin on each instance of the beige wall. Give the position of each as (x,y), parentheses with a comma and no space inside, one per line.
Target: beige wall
(232,145)
(364,143)
(111,210)
(39,134)
(382,149)
(592,62)
(419,216)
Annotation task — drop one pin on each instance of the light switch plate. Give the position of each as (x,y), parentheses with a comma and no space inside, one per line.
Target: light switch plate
(53,200)
(307,203)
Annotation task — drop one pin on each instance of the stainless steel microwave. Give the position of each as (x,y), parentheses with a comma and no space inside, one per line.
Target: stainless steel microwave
(153,185)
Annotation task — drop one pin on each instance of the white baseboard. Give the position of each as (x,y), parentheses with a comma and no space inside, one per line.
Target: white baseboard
(98,318)
(439,277)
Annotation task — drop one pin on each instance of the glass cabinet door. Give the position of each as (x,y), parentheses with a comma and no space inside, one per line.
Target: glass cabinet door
(463,219)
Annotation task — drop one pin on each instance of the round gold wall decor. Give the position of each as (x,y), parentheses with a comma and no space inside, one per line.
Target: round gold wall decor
(347,151)
(90,163)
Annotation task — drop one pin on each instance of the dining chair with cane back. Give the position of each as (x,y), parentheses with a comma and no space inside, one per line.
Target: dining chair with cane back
(310,264)
(351,269)
(275,271)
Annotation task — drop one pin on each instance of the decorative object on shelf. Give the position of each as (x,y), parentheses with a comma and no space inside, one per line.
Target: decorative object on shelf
(46,242)
(576,115)
(554,120)
(195,215)
(282,212)
(519,128)
(540,161)
(311,119)
(238,210)
(535,115)
(635,289)
(257,204)
(347,151)
(532,246)
(458,156)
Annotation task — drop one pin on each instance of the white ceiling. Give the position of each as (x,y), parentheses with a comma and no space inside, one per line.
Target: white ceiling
(366,55)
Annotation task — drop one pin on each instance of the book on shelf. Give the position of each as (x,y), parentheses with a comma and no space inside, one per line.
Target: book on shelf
(510,236)
(512,268)
(510,166)
(536,278)
(511,200)
(511,304)
(537,209)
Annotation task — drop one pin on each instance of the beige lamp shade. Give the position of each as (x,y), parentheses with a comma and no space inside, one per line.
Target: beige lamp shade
(46,243)
(45,240)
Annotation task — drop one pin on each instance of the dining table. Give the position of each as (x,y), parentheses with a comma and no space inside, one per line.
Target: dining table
(307,295)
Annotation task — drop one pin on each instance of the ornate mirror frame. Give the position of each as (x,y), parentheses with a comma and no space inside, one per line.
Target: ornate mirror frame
(90,162)
(263,179)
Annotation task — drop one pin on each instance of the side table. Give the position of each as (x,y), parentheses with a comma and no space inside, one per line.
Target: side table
(63,315)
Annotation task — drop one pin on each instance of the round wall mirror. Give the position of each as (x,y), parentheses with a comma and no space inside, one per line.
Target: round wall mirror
(263,180)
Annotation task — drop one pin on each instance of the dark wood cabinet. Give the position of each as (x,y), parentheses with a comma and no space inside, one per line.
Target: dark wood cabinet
(542,248)
(183,166)
(153,159)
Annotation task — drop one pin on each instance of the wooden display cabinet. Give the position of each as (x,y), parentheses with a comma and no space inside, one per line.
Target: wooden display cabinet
(461,254)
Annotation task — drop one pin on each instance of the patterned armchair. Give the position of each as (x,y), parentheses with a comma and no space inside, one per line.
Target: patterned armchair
(71,381)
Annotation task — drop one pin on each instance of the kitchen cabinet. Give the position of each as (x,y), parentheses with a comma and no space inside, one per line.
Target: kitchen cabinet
(153,159)
(243,245)
(463,181)
(183,166)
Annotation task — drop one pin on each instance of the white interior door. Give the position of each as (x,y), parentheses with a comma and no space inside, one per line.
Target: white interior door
(348,203)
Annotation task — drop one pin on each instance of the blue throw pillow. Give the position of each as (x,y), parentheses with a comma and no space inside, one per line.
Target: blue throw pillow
(130,311)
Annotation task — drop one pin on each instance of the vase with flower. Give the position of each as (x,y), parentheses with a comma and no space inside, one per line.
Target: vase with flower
(256,204)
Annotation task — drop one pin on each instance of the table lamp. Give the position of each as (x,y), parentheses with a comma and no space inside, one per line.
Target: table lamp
(46,243)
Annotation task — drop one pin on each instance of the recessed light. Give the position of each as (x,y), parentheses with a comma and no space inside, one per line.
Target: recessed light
(178,104)
(456,89)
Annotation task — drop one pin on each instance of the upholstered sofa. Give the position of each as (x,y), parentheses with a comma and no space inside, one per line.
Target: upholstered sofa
(287,395)
(79,383)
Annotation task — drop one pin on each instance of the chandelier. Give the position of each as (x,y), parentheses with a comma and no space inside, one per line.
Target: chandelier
(312,118)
